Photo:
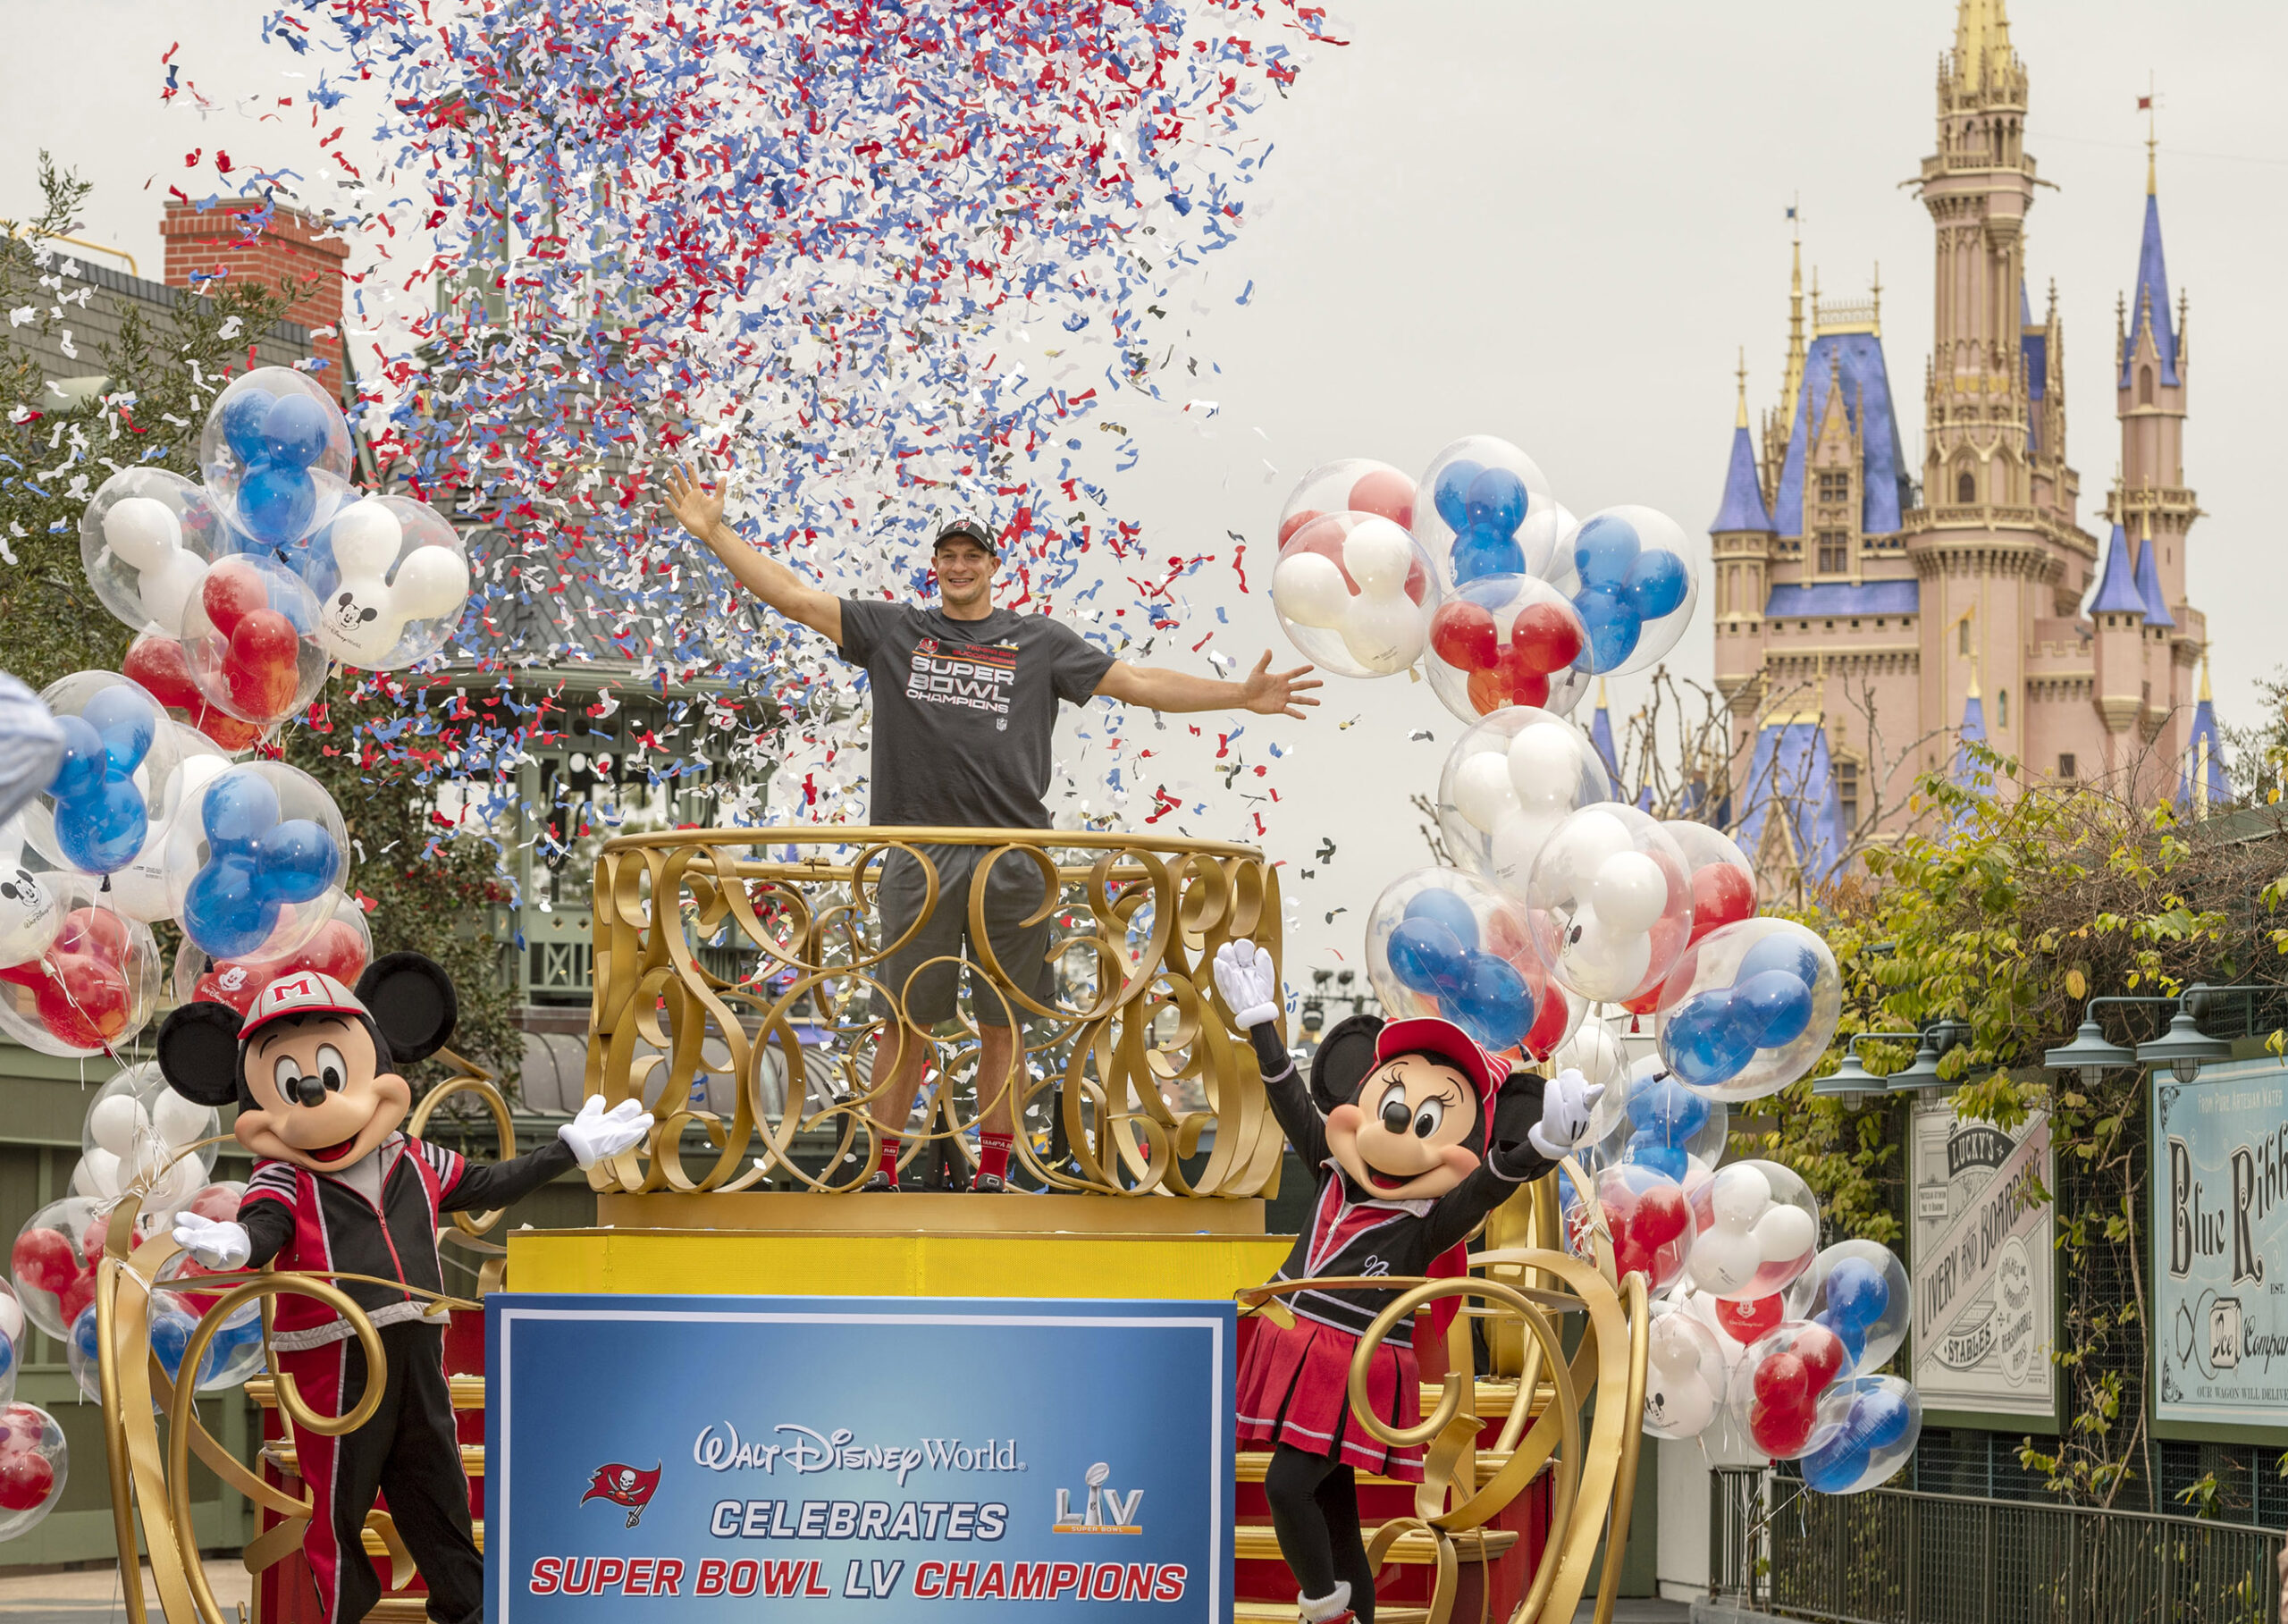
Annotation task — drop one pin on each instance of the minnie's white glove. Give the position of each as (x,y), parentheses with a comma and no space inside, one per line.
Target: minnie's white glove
(217,1245)
(1566,1104)
(1248,981)
(596,1133)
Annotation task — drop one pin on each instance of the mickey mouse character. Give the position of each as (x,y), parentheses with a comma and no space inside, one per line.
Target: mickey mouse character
(1424,1133)
(336,1186)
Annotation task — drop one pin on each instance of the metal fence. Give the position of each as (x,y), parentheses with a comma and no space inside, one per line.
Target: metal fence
(1893,1556)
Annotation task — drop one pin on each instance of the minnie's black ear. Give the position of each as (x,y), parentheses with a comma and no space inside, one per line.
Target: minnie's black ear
(199,1053)
(1517,1107)
(1344,1057)
(413,1003)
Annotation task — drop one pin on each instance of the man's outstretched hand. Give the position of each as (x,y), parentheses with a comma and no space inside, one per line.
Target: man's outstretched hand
(693,505)
(1269,693)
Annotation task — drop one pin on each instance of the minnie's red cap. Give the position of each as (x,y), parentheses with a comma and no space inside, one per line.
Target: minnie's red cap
(1429,1035)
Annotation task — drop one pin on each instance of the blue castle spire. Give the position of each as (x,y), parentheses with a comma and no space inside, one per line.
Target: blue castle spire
(2117,591)
(2149,301)
(1742,508)
(2149,587)
(2203,782)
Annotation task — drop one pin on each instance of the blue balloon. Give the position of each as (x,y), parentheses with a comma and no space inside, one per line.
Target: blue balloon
(1448,909)
(239,806)
(221,910)
(1857,1293)
(294,435)
(1775,1007)
(1496,502)
(1836,1467)
(1668,1110)
(1425,956)
(1657,583)
(1452,492)
(1604,549)
(1879,1418)
(244,415)
(7,1358)
(1704,1042)
(170,1340)
(294,860)
(255,865)
(101,818)
(1670,1161)
(1479,554)
(1493,1005)
(1854,1338)
(1612,624)
(1780,950)
(83,1335)
(275,503)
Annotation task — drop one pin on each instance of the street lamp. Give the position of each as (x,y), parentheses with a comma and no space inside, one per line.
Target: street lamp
(1852,1080)
(2184,1047)
(1922,1072)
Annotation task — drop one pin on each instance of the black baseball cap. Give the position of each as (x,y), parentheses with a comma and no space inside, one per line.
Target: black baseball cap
(968,529)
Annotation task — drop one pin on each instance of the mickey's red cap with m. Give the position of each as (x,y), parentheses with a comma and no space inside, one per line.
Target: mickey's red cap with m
(1429,1035)
(305,992)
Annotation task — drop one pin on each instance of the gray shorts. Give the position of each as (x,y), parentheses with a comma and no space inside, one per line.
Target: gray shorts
(1013,890)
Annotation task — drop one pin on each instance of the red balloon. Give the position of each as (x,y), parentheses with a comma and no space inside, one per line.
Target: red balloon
(1386,492)
(80,988)
(1782,1431)
(231,591)
(1463,635)
(1782,1381)
(260,667)
(338,950)
(1489,691)
(27,1478)
(1296,521)
(1721,896)
(1545,637)
(1525,687)
(42,1258)
(76,1297)
(1662,1214)
(1548,1030)
(156,664)
(1745,1322)
(1821,1350)
(217,1202)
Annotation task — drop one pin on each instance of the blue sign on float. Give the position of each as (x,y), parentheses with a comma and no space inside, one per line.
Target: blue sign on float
(885,1458)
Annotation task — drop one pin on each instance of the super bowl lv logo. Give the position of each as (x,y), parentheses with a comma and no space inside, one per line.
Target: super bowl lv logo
(623,1485)
(1103,1504)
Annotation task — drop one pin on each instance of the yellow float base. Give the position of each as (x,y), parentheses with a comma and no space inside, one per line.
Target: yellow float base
(906,1245)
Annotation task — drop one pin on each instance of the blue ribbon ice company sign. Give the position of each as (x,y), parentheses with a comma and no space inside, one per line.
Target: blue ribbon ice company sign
(2220,1247)
(686,1458)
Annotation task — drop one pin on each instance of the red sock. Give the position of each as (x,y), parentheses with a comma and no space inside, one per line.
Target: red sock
(993,1155)
(889,1161)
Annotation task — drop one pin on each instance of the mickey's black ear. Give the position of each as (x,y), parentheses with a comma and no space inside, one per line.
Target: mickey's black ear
(1517,1107)
(1344,1057)
(412,1002)
(199,1053)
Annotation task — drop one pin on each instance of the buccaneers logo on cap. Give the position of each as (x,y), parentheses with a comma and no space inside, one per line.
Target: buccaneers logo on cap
(623,1485)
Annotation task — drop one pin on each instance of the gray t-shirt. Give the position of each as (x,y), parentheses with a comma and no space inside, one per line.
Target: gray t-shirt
(964,710)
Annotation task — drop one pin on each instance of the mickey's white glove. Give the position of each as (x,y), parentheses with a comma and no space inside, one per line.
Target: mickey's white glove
(1248,981)
(596,1133)
(218,1246)
(1566,1104)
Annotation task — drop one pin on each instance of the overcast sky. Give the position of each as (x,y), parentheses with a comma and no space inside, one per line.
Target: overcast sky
(1556,224)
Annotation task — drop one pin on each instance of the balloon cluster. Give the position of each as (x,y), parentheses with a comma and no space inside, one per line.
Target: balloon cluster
(1353,590)
(1752,1002)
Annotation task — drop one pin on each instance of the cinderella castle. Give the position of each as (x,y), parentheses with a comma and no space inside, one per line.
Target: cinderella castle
(1872,617)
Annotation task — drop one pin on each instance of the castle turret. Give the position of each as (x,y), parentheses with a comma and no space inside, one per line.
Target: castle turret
(2117,616)
(1740,544)
(2203,783)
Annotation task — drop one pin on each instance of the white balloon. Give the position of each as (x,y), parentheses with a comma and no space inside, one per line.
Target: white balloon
(1378,554)
(432,582)
(1545,765)
(12,1318)
(1385,634)
(166,586)
(96,1175)
(1517,841)
(1740,1196)
(116,1123)
(1723,1259)
(1309,589)
(366,537)
(142,530)
(178,1121)
(28,916)
(1598,962)
(1783,1232)
(1629,891)
(1588,839)
(1482,791)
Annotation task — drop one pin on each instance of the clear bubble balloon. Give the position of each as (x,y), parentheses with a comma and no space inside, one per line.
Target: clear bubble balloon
(271,838)
(94,982)
(53,1262)
(1750,1008)
(1757,1227)
(1652,1119)
(1685,1377)
(118,748)
(1506,640)
(1355,593)
(1440,942)
(1858,1290)
(1483,509)
(34,1463)
(144,538)
(159,664)
(1777,1387)
(392,576)
(1628,572)
(1350,484)
(276,452)
(1610,903)
(145,1127)
(1867,1427)
(1649,1219)
(342,946)
(236,1352)
(1508,784)
(250,638)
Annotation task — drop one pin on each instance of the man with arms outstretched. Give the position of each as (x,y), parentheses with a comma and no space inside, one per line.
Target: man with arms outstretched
(965,699)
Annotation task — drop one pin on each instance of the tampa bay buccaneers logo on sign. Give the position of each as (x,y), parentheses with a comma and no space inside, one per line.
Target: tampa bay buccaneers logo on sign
(623,1485)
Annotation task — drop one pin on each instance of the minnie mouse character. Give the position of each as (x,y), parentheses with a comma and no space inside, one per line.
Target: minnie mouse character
(1424,1133)
(312,1067)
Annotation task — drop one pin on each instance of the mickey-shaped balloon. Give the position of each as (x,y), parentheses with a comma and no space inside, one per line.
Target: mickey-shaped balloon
(101,816)
(1757,1227)
(1867,1427)
(1655,1121)
(157,664)
(1776,1390)
(1488,512)
(277,449)
(1624,570)
(1443,943)
(92,986)
(338,1187)
(1751,1007)
(1857,1288)
(35,1463)
(258,858)
(1506,640)
(144,538)
(1684,1376)
(249,639)
(1646,1214)
(364,615)
(1354,593)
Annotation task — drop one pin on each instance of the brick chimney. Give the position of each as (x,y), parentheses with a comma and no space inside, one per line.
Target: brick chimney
(204,243)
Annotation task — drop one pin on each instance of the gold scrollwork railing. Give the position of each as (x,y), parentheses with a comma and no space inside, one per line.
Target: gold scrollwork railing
(719,950)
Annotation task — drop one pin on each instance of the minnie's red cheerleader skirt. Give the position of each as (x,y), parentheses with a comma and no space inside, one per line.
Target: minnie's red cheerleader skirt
(1294,1389)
